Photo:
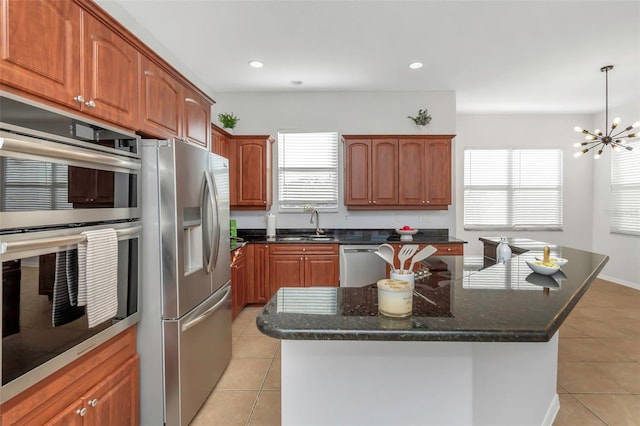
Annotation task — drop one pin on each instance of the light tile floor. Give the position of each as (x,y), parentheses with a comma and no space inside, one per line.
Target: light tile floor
(598,366)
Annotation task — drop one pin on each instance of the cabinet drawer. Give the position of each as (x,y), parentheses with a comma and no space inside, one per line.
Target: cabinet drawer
(301,249)
(454,249)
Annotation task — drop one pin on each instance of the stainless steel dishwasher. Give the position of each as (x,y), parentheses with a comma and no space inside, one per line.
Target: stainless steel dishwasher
(360,266)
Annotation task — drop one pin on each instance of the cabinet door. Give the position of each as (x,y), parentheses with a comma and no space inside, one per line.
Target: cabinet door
(115,400)
(110,70)
(321,270)
(219,143)
(357,176)
(160,101)
(260,285)
(238,282)
(40,48)
(251,172)
(438,172)
(384,172)
(196,118)
(411,174)
(285,270)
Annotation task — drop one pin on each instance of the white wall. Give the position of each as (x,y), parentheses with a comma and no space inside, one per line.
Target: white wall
(623,250)
(346,113)
(528,131)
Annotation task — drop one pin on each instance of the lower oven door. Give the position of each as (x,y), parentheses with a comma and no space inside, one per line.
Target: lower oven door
(40,332)
(197,350)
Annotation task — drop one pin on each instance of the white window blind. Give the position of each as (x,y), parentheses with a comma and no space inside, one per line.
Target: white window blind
(513,189)
(625,191)
(308,171)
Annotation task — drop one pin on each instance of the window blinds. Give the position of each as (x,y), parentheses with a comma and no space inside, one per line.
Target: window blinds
(625,191)
(513,189)
(308,170)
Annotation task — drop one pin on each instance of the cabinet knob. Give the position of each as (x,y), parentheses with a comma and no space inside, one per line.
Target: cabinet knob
(449,249)
(423,201)
(93,402)
(264,202)
(369,201)
(90,104)
(79,99)
(301,259)
(374,201)
(304,249)
(81,412)
(428,201)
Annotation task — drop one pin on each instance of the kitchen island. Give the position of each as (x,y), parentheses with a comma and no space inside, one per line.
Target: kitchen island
(484,353)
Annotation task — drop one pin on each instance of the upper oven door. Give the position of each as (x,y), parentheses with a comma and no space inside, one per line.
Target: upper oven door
(44,183)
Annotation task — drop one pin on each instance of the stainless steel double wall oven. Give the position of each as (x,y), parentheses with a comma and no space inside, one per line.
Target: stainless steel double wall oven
(60,176)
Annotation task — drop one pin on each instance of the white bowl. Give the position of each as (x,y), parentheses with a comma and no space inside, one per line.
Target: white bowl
(538,267)
(557,260)
(406,231)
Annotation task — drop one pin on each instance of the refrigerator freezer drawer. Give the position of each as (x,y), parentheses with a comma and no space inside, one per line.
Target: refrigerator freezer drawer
(197,351)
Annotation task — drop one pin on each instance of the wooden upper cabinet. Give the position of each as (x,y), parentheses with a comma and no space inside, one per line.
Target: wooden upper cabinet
(110,87)
(40,48)
(425,172)
(220,141)
(56,51)
(357,172)
(384,171)
(371,172)
(399,172)
(160,101)
(196,118)
(250,170)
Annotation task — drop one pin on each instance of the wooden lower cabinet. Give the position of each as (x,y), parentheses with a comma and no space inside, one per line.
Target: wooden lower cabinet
(238,282)
(258,290)
(303,265)
(100,388)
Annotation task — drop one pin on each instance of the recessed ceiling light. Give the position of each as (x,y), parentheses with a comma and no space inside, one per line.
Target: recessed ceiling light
(256,64)
(415,65)
(296,82)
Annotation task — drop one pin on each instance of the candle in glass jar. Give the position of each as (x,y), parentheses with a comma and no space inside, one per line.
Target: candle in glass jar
(395,298)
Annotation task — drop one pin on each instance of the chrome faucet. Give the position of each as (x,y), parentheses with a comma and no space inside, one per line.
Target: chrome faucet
(315,218)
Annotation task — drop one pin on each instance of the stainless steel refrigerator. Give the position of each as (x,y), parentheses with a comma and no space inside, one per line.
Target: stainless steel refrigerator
(184,335)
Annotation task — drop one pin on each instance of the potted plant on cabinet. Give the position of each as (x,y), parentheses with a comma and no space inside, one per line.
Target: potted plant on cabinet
(422,119)
(228,121)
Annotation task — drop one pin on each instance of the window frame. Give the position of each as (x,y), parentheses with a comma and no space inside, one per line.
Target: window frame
(305,205)
(622,169)
(511,188)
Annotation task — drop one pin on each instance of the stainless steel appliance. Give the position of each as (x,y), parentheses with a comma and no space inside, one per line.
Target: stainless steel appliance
(360,266)
(59,176)
(184,336)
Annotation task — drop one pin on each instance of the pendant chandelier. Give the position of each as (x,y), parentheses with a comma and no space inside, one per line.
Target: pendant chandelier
(599,139)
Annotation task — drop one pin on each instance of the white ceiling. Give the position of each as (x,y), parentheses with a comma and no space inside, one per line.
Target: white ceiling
(498,56)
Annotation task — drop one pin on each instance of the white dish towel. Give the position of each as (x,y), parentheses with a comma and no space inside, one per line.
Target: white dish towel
(98,275)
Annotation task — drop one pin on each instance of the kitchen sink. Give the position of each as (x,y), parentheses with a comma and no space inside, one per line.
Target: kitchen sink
(292,238)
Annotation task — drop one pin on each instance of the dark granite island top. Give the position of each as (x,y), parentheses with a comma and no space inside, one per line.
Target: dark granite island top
(473,303)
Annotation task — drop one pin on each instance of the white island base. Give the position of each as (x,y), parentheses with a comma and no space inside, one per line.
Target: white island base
(333,382)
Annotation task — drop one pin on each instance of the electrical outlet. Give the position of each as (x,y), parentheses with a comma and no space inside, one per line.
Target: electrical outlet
(346,218)
(423,218)
(398,218)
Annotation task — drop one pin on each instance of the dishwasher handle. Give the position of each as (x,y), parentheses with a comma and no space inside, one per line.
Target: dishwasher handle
(359,250)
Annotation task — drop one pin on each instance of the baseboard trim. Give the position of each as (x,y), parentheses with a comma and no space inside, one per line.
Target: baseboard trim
(615,280)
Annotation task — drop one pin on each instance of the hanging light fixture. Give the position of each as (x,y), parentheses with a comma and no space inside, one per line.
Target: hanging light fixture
(599,139)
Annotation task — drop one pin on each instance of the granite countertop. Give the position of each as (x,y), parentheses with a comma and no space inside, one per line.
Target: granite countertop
(349,236)
(473,302)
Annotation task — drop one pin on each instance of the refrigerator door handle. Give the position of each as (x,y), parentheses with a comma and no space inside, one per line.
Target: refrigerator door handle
(216,209)
(206,313)
(208,205)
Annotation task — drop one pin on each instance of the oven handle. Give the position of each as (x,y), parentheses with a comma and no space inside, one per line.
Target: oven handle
(42,148)
(42,243)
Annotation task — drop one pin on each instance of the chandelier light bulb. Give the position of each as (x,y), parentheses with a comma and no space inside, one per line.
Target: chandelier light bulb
(635,125)
(598,132)
(578,129)
(616,121)
(617,149)
(597,156)
(577,144)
